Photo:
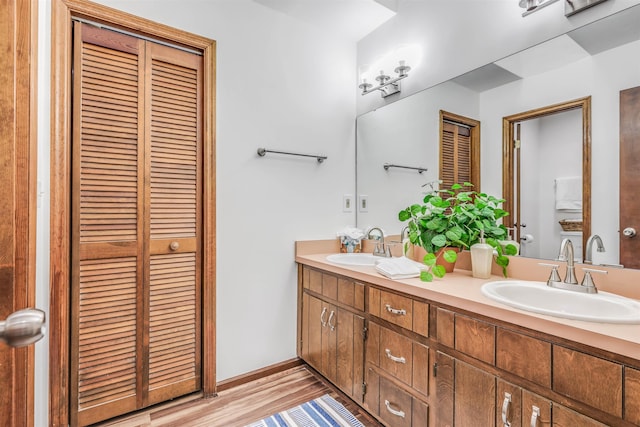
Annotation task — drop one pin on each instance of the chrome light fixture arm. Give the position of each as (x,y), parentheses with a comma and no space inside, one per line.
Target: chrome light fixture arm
(386,85)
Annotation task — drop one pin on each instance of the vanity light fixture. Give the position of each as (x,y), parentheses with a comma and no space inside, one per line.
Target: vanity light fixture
(531,6)
(386,85)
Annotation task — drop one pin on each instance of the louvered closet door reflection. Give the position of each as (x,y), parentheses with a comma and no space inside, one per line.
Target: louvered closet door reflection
(455,158)
(174,294)
(135,249)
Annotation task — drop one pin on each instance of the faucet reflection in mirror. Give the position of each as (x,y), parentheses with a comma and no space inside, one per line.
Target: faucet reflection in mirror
(386,85)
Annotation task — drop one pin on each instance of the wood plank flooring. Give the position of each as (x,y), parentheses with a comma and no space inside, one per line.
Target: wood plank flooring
(244,404)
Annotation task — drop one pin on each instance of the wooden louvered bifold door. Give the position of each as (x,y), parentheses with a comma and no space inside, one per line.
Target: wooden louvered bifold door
(455,155)
(136,224)
(174,208)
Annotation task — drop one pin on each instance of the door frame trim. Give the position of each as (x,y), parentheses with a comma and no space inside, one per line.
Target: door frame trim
(19,140)
(62,12)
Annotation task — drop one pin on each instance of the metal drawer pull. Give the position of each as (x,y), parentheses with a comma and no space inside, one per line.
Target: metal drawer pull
(505,409)
(392,310)
(393,411)
(332,326)
(394,358)
(322,321)
(535,414)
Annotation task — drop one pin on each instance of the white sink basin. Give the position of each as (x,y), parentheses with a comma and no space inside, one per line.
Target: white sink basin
(353,259)
(537,297)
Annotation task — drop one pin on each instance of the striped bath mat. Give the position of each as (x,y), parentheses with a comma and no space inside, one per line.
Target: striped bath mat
(321,412)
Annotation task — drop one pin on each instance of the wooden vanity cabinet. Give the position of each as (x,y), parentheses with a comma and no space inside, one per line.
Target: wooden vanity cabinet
(470,395)
(332,331)
(416,363)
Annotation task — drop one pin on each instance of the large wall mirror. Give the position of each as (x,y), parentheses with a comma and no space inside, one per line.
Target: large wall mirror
(595,61)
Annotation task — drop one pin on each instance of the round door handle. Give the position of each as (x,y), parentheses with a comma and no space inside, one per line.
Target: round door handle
(629,232)
(174,246)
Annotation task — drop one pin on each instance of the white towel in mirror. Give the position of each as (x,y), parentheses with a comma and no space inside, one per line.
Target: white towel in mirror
(569,193)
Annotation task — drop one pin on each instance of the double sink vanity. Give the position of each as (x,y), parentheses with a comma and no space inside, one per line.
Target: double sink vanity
(461,351)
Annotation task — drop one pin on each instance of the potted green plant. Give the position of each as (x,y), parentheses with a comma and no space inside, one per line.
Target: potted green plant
(455,218)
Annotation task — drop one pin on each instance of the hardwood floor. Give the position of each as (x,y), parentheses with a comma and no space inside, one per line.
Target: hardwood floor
(244,404)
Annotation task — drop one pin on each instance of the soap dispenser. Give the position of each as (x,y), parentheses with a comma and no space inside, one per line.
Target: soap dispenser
(481,258)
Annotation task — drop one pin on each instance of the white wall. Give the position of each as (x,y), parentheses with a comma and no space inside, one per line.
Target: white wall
(457,36)
(281,84)
(408,134)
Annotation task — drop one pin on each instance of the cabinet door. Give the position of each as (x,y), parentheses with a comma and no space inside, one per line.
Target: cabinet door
(536,410)
(313,316)
(474,397)
(508,405)
(349,330)
(333,344)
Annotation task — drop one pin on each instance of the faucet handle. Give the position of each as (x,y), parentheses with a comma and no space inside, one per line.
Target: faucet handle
(587,281)
(554,276)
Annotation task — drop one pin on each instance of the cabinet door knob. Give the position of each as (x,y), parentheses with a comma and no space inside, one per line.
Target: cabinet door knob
(174,246)
(505,409)
(629,232)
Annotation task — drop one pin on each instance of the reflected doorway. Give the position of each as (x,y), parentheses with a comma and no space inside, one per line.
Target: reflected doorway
(547,178)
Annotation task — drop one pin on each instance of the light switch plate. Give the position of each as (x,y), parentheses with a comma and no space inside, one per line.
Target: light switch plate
(363,203)
(347,203)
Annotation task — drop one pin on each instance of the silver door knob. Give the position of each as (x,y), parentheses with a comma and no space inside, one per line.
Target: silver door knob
(629,232)
(23,327)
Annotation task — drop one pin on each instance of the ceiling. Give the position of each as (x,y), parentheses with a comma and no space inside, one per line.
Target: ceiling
(352,19)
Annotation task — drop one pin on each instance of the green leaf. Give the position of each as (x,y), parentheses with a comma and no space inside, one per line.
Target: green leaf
(425,276)
(439,271)
(502,261)
(510,249)
(436,224)
(454,234)
(439,240)
(429,259)
(404,215)
(415,209)
(450,256)
(456,187)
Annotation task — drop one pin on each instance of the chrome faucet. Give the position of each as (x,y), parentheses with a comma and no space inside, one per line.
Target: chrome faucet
(566,254)
(380,249)
(570,283)
(589,249)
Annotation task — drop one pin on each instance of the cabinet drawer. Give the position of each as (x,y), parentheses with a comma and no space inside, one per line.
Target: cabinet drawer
(632,395)
(351,293)
(393,405)
(399,356)
(475,338)
(403,311)
(524,356)
(594,381)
